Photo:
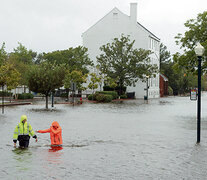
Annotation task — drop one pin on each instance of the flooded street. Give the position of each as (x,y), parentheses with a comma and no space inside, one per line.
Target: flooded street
(122,141)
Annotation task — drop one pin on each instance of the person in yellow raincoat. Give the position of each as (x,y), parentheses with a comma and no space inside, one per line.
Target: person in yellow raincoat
(22,133)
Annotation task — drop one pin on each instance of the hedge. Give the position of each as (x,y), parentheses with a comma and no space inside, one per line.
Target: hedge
(114,94)
(123,96)
(25,96)
(117,89)
(64,95)
(100,97)
(5,93)
(92,97)
(104,98)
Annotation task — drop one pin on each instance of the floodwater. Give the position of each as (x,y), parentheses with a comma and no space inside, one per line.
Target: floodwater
(115,141)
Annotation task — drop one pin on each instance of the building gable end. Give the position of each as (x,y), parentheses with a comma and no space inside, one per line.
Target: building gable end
(114,10)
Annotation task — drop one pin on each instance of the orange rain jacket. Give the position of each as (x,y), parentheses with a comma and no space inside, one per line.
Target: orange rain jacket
(55,134)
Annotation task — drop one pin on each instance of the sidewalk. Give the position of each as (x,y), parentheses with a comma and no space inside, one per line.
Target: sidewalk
(15,103)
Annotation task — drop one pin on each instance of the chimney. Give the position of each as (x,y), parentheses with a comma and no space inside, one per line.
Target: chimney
(133,12)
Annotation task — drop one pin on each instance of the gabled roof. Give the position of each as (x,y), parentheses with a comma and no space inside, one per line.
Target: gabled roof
(149,32)
(104,17)
(164,77)
(152,35)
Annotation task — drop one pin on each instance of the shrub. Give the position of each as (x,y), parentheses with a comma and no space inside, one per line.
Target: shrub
(123,96)
(64,95)
(114,94)
(104,98)
(25,96)
(92,97)
(5,93)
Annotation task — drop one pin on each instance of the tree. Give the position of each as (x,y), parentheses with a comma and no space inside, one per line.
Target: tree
(74,58)
(9,76)
(196,32)
(40,58)
(165,57)
(21,54)
(178,78)
(183,78)
(99,75)
(94,80)
(3,54)
(45,78)
(22,58)
(119,60)
(110,82)
(76,77)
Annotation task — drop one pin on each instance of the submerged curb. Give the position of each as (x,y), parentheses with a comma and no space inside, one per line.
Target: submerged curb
(16,104)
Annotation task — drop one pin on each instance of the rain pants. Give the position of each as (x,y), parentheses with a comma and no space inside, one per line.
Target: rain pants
(55,133)
(22,133)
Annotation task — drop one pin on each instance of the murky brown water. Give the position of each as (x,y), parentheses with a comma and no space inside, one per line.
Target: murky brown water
(129,140)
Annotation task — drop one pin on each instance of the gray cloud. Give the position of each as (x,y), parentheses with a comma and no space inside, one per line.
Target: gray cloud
(49,25)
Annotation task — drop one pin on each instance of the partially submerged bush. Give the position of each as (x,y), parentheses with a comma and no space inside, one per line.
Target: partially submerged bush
(25,96)
(5,93)
(92,97)
(114,94)
(123,96)
(104,98)
(100,97)
(64,95)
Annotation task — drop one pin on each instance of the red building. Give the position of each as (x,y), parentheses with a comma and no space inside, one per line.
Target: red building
(163,85)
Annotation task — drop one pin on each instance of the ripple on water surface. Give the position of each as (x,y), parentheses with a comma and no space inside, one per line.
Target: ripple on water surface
(123,140)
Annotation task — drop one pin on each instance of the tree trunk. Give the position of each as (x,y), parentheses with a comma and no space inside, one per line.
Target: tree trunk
(52,99)
(24,88)
(67,91)
(10,96)
(15,94)
(120,88)
(46,101)
(3,99)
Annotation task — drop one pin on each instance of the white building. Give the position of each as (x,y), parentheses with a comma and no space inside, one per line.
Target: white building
(112,26)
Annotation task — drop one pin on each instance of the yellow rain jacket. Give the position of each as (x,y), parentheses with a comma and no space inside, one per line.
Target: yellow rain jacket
(23,131)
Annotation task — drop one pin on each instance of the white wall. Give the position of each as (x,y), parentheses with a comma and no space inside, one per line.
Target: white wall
(113,25)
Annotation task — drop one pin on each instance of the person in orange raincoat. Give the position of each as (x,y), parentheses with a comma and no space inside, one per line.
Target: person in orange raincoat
(55,133)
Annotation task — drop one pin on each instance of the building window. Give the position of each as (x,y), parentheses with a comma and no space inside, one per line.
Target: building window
(115,15)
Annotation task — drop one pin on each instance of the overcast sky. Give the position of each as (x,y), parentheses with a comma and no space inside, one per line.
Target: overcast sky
(49,25)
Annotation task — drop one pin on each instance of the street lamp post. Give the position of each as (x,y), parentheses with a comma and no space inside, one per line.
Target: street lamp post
(199,50)
(147,87)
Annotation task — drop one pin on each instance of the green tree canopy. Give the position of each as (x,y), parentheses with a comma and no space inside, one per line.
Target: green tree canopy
(21,54)
(75,77)
(196,32)
(119,60)
(165,56)
(75,58)
(9,76)
(22,58)
(45,78)
(94,80)
(179,79)
(3,54)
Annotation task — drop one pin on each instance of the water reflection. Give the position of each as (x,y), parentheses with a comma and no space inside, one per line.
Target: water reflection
(53,159)
(21,151)
(127,140)
(55,148)
(22,157)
